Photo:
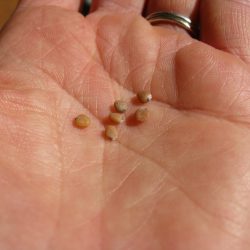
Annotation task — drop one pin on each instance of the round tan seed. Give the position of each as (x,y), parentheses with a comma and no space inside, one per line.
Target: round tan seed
(144,96)
(121,106)
(142,114)
(117,117)
(82,121)
(111,133)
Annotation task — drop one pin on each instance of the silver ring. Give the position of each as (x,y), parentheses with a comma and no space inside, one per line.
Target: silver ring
(174,18)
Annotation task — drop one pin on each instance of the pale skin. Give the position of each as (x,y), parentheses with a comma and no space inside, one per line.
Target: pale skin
(179,181)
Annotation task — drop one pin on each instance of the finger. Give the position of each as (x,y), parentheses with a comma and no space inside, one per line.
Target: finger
(67,4)
(118,5)
(225,25)
(212,81)
(188,8)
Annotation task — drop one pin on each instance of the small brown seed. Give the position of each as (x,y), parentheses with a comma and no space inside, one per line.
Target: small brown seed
(144,96)
(121,106)
(142,114)
(82,121)
(117,117)
(111,132)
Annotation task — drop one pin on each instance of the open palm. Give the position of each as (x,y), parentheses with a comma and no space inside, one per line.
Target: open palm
(179,181)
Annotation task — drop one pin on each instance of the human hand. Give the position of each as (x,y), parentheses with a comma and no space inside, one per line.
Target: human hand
(179,181)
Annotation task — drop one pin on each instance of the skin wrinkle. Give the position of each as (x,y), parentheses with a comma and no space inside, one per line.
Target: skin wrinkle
(41,163)
(154,192)
(76,99)
(8,49)
(42,113)
(240,91)
(227,32)
(243,123)
(163,118)
(239,208)
(150,215)
(153,62)
(220,150)
(57,224)
(120,6)
(116,44)
(204,66)
(19,167)
(24,6)
(122,182)
(116,82)
(80,89)
(170,124)
(24,133)
(86,166)
(247,172)
(12,139)
(40,42)
(242,208)
(208,69)
(83,70)
(102,219)
(60,24)
(64,174)
(154,68)
(212,215)
(179,187)
(43,56)
(210,113)
(61,162)
(91,54)
(101,65)
(108,68)
(176,88)
(17,60)
(130,72)
(26,68)
(245,3)
(215,115)
(138,229)
(171,107)
(176,52)
(187,147)
(99,36)
(7,84)
(155,162)
(18,105)
(40,28)
(112,85)
(61,191)
(224,85)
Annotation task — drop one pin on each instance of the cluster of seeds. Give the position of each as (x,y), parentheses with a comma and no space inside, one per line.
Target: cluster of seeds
(118,117)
